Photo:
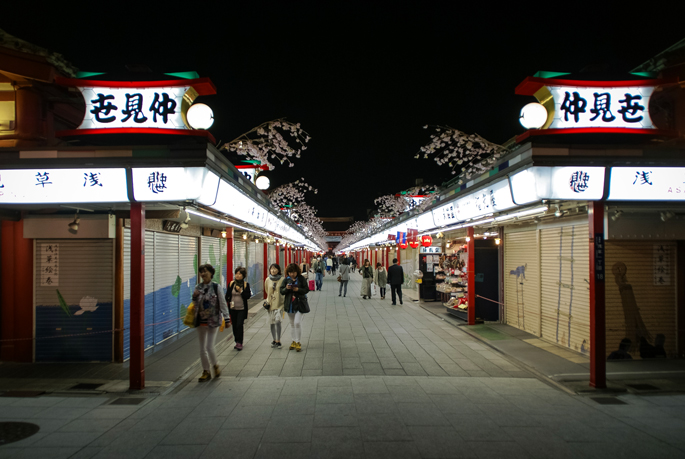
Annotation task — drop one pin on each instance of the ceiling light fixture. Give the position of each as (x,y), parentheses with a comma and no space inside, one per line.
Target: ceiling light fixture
(73,226)
(616,215)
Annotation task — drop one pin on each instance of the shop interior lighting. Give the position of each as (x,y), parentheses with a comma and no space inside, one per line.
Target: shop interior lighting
(497,241)
(224,234)
(559,212)
(244,235)
(616,215)
(468,239)
(522,213)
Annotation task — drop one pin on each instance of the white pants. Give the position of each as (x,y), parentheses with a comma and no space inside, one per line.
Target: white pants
(207,337)
(296,325)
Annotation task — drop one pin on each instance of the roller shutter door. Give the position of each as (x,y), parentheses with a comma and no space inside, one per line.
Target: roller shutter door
(167,282)
(149,289)
(214,253)
(271,255)
(641,295)
(239,254)
(187,271)
(127,293)
(408,263)
(258,286)
(522,281)
(76,300)
(565,295)
(252,267)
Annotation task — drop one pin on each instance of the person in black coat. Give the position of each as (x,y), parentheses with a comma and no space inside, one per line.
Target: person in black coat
(294,290)
(396,279)
(237,296)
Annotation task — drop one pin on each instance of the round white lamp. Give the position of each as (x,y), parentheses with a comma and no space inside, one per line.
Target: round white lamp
(263,182)
(200,116)
(533,116)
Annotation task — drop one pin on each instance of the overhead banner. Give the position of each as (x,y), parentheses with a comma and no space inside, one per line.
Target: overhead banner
(570,183)
(494,198)
(647,184)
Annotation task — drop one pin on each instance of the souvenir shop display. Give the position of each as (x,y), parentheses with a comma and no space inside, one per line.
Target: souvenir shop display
(453,288)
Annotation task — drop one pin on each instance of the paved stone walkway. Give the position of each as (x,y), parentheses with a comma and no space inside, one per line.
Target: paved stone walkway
(374,381)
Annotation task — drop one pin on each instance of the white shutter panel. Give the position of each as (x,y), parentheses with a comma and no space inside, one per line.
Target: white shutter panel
(258,286)
(127,293)
(188,266)
(167,281)
(149,289)
(522,281)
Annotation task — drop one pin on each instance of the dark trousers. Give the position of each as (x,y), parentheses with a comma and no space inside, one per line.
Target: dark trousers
(382,289)
(398,289)
(238,317)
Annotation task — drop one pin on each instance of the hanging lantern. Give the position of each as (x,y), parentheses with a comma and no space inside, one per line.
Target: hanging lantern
(414,244)
(403,245)
(426,240)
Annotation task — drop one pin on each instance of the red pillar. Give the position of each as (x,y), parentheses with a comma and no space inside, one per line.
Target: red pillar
(598,374)
(398,255)
(229,257)
(387,254)
(471,276)
(137,364)
(266,265)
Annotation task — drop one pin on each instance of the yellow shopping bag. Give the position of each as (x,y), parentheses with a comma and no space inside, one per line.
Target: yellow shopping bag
(189,319)
(223,324)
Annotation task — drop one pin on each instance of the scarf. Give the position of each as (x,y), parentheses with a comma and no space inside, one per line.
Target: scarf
(239,283)
(275,278)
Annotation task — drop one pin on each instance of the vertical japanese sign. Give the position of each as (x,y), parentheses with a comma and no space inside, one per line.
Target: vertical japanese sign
(49,265)
(412,235)
(599,257)
(662,264)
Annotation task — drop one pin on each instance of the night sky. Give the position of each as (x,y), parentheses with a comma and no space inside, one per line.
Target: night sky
(361,78)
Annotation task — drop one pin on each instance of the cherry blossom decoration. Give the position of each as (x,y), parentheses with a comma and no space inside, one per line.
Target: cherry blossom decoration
(468,155)
(290,198)
(392,205)
(277,140)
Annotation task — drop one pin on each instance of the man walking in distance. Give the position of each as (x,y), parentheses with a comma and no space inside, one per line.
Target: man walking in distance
(317,267)
(395,279)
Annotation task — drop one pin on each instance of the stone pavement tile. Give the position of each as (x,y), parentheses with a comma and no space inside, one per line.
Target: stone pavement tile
(116,433)
(291,428)
(87,453)
(478,373)
(89,425)
(31,401)
(540,442)
(353,371)
(188,432)
(435,386)
(15,412)
(351,362)
(164,419)
(409,394)
(394,372)
(451,403)
(405,357)
(369,386)
(186,400)
(339,394)
(466,364)
(67,439)
(175,451)
(110,412)
(82,402)
(391,450)
(373,368)
(414,369)
(283,451)
(475,427)
(332,369)
(400,381)
(509,415)
(441,442)
(251,371)
(368,357)
(233,443)
(388,363)
(295,404)
(665,430)
(137,445)
(58,412)
(337,443)
(383,427)
(312,372)
(335,415)
(499,450)
(245,417)
(299,386)
(260,397)
(38,453)
(214,407)
(421,414)
(375,403)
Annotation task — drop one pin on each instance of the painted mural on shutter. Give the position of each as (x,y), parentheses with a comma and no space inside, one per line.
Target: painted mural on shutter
(81,303)
(214,253)
(522,281)
(271,255)
(187,272)
(258,286)
(149,289)
(127,293)
(166,275)
(565,295)
(641,298)
(239,254)
(253,268)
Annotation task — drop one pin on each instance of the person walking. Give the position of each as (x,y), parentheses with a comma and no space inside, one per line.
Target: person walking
(344,276)
(317,267)
(366,272)
(237,296)
(334,268)
(395,279)
(329,264)
(353,263)
(275,300)
(380,278)
(294,290)
(210,308)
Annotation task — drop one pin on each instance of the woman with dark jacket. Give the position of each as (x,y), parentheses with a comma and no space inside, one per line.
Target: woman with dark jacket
(294,290)
(367,278)
(237,295)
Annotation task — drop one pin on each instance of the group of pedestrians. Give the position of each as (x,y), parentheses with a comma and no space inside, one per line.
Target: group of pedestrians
(213,308)
(381,278)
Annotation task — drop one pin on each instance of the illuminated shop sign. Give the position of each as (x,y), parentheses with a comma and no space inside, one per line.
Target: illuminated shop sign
(44,186)
(137,107)
(570,183)
(593,106)
(173,183)
(495,198)
(647,183)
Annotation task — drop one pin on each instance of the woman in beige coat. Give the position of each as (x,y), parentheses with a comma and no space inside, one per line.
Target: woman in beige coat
(272,287)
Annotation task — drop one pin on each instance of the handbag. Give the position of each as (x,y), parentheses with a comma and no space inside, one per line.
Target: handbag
(223,324)
(189,319)
(339,277)
(266,305)
(302,304)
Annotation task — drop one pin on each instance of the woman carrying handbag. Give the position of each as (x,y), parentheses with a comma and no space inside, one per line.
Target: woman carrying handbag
(275,301)
(237,296)
(367,278)
(294,290)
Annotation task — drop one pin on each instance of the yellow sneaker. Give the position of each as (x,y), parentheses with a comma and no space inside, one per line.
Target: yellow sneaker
(299,347)
(293,346)
(217,371)
(205,376)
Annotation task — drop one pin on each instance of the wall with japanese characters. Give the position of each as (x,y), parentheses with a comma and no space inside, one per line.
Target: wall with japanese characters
(640,299)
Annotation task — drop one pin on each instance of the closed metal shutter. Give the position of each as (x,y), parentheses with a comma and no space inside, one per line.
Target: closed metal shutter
(127,293)
(239,254)
(167,281)
(149,289)
(258,286)
(271,256)
(214,253)
(187,270)
(641,295)
(522,281)
(408,263)
(252,266)
(77,301)
(565,296)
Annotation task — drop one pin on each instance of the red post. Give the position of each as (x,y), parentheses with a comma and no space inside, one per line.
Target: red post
(137,364)
(471,311)
(229,256)
(598,376)
(387,254)
(266,265)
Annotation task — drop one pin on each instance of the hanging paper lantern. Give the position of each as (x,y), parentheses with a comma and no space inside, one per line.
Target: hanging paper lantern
(414,244)
(403,245)
(426,240)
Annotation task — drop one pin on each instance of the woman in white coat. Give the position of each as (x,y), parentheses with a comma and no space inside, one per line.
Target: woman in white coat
(367,272)
(380,278)
(272,287)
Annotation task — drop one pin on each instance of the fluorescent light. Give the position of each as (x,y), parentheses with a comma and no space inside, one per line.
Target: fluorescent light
(523,213)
